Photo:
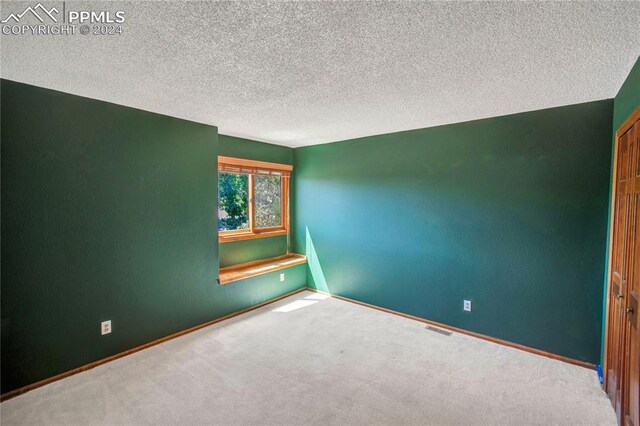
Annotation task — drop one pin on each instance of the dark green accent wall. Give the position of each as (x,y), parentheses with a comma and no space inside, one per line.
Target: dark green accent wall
(625,102)
(262,248)
(510,212)
(238,252)
(230,146)
(108,212)
(628,97)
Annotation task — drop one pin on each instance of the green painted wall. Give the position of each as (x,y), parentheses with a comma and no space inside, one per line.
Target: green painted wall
(510,212)
(230,146)
(107,213)
(625,102)
(262,248)
(628,97)
(238,252)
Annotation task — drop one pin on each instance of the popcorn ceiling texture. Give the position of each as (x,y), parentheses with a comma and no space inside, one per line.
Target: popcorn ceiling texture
(302,73)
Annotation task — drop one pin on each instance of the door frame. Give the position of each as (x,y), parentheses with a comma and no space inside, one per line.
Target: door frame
(626,125)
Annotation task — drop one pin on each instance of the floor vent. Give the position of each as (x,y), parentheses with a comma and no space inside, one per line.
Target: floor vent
(439,330)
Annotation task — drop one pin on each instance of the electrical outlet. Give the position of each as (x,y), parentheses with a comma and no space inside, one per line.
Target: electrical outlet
(105,327)
(281,277)
(466,305)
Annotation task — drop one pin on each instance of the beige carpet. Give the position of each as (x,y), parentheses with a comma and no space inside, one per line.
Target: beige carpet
(314,360)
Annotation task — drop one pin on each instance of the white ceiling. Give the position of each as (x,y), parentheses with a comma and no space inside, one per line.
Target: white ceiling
(302,73)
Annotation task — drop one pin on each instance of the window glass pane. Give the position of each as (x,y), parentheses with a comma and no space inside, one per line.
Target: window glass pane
(233,201)
(268,201)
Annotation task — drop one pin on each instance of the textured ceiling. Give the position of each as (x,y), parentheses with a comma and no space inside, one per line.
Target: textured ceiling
(302,73)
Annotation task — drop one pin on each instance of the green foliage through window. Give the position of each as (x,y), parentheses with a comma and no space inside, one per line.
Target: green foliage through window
(233,201)
(268,201)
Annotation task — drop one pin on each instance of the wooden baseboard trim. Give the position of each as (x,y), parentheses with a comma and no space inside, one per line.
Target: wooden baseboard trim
(12,394)
(462,331)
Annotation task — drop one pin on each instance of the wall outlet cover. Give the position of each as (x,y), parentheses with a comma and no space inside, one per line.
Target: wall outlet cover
(281,277)
(105,327)
(467,305)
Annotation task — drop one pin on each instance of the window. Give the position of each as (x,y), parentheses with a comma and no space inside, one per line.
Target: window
(233,201)
(252,199)
(267,193)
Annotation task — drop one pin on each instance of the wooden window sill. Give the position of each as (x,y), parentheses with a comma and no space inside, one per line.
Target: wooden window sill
(250,236)
(259,267)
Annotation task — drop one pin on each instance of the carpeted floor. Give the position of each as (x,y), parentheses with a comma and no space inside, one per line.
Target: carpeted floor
(308,359)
